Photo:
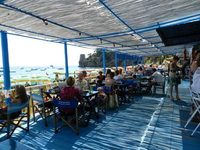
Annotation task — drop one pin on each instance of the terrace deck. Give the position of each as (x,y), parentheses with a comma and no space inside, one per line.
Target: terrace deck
(147,123)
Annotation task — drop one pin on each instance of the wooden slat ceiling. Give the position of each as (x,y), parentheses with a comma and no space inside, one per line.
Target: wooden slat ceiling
(127,26)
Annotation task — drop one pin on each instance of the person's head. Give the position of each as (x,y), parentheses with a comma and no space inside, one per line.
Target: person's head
(154,69)
(80,76)
(70,81)
(134,76)
(84,73)
(116,72)
(175,58)
(108,71)
(20,92)
(120,71)
(140,69)
(100,73)
(112,74)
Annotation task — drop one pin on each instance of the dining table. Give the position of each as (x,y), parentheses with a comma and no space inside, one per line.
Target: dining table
(90,100)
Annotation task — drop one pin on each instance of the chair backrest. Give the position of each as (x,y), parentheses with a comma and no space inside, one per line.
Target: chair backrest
(37,97)
(12,107)
(129,82)
(107,89)
(65,104)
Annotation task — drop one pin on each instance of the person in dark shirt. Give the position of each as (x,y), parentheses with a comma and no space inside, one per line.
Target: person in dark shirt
(100,78)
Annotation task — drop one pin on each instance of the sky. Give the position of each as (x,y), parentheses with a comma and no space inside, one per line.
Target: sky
(30,52)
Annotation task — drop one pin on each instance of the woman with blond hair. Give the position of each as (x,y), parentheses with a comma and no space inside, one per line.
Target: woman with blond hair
(69,93)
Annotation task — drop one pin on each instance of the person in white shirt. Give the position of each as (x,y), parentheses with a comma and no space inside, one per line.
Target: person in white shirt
(195,67)
(81,83)
(157,77)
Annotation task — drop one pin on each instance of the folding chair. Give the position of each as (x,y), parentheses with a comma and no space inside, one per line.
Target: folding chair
(15,114)
(67,119)
(196,102)
(42,106)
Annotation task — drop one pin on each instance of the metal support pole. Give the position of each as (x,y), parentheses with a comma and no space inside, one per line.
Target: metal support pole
(125,63)
(104,60)
(116,61)
(66,61)
(5,59)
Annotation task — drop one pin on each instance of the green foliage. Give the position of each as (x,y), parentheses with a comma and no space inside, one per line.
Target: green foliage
(95,60)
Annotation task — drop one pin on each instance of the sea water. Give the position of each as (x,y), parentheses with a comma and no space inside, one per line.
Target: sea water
(40,73)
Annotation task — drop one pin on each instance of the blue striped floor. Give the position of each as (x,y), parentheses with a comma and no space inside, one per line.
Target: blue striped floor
(148,123)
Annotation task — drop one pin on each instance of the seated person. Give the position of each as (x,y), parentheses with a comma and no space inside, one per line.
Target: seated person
(20,98)
(85,76)
(81,83)
(108,71)
(120,75)
(100,78)
(116,77)
(109,81)
(56,78)
(70,92)
(157,77)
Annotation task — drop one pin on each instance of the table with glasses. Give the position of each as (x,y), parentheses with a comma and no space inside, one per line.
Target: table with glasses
(90,102)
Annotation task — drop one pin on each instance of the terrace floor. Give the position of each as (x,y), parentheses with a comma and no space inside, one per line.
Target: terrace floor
(147,123)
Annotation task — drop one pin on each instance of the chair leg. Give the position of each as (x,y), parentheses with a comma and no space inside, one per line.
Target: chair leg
(28,118)
(195,129)
(188,121)
(55,121)
(8,127)
(33,110)
(77,126)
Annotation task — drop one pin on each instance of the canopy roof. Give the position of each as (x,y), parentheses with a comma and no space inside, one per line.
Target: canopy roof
(127,26)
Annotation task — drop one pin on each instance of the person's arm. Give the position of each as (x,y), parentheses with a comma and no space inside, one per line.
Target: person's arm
(16,100)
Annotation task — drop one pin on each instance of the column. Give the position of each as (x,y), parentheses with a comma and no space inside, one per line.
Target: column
(116,61)
(104,60)
(5,59)
(66,61)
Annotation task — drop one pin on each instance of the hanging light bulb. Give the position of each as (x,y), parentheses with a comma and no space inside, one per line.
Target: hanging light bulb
(45,22)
